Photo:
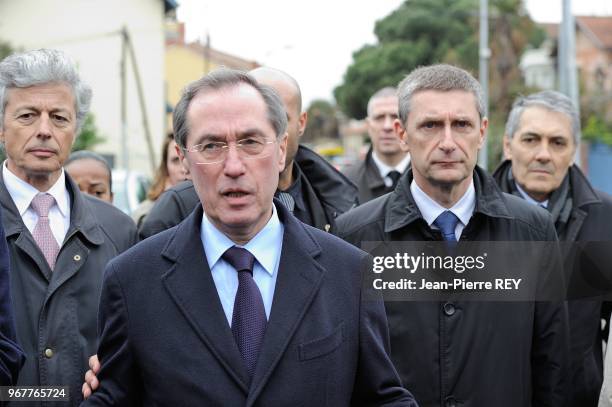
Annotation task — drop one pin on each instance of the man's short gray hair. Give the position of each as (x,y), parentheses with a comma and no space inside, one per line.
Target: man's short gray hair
(549,100)
(225,78)
(381,93)
(440,77)
(39,67)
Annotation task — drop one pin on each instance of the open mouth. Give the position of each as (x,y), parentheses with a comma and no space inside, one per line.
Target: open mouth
(235,194)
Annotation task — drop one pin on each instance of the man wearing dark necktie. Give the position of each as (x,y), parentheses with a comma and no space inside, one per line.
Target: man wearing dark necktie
(470,354)
(240,304)
(310,187)
(385,161)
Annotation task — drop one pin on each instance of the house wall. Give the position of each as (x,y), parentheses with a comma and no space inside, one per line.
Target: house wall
(89,31)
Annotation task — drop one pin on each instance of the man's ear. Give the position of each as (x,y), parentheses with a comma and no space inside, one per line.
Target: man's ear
(182,157)
(401,133)
(484,124)
(282,145)
(302,121)
(507,149)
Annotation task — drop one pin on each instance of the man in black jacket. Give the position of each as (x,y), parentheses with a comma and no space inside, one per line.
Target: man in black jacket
(540,144)
(309,186)
(460,353)
(385,161)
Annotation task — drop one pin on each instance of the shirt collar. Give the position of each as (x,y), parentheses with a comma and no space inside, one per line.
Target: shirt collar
(525,195)
(22,193)
(295,190)
(263,246)
(385,169)
(430,209)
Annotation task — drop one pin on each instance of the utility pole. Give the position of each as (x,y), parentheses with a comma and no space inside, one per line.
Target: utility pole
(483,74)
(566,63)
(124,143)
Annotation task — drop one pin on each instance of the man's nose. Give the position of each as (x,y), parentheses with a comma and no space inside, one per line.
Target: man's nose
(45,127)
(388,123)
(543,153)
(448,141)
(233,166)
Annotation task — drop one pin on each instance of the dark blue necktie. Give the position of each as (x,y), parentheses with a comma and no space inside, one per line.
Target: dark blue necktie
(394,176)
(446,222)
(249,316)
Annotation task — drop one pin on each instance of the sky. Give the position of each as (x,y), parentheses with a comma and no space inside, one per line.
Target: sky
(314,40)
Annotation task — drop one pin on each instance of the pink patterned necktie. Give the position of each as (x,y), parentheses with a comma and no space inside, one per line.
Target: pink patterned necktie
(42,233)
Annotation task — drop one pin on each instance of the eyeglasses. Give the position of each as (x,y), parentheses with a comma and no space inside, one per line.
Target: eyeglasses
(214,152)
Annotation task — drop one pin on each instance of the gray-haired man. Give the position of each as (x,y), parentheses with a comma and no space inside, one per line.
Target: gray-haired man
(467,354)
(540,144)
(59,239)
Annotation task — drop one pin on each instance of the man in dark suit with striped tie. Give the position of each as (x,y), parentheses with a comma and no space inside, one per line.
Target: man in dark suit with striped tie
(240,304)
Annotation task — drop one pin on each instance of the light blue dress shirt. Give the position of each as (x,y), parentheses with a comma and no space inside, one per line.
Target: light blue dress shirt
(266,247)
(430,209)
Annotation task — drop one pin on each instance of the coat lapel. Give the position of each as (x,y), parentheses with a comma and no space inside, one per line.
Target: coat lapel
(190,284)
(299,278)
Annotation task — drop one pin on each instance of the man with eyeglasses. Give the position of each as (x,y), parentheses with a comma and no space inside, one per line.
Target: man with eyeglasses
(313,190)
(240,304)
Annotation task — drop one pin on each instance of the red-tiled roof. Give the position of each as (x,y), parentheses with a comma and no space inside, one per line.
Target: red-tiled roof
(598,29)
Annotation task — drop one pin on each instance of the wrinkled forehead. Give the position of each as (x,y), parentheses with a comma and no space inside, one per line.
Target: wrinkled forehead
(442,104)
(228,111)
(56,94)
(385,104)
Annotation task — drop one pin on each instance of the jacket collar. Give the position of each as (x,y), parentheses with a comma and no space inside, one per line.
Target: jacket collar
(189,282)
(82,220)
(331,186)
(402,210)
(372,174)
(582,192)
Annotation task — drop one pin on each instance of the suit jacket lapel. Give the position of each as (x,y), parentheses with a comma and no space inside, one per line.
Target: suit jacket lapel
(299,278)
(189,282)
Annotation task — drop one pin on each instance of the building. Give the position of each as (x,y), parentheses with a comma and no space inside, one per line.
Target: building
(593,60)
(186,62)
(91,33)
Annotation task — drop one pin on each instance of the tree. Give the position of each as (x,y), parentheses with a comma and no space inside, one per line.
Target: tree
(5,50)
(322,122)
(424,32)
(89,136)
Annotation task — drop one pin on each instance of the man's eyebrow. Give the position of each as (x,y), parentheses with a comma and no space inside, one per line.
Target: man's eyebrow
(250,132)
(209,137)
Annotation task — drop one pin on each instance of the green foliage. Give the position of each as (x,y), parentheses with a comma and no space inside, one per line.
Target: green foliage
(597,129)
(89,137)
(5,50)
(376,67)
(424,32)
(322,122)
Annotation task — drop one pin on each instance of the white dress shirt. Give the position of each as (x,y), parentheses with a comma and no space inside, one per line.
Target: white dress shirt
(22,194)
(525,195)
(385,169)
(266,247)
(430,209)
